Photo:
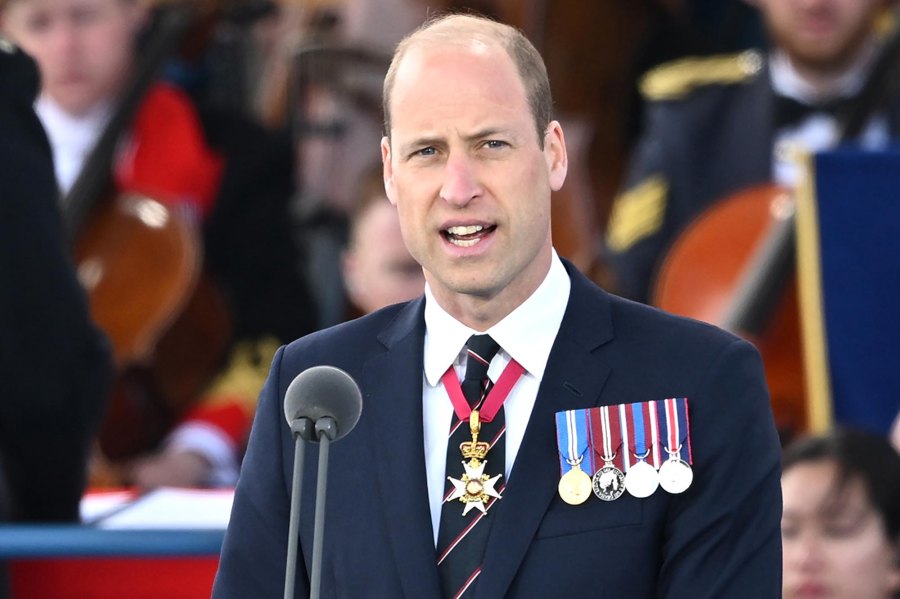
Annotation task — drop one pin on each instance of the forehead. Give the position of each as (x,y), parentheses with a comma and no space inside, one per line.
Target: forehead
(455,80)
(817,487)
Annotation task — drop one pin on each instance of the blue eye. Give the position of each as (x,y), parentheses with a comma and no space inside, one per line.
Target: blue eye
(495,143)
(429,151)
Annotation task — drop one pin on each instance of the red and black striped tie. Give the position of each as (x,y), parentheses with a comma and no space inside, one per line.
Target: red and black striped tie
(462,539)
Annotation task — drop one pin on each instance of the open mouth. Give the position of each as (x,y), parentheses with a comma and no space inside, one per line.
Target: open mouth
(467,235)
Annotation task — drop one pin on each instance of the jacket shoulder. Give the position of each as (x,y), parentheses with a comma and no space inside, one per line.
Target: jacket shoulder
(336,338)
(678,79)
(651,325)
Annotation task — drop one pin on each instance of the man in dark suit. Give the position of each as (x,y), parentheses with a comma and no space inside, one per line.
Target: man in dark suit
(54,364)
(721,124)
(471,156)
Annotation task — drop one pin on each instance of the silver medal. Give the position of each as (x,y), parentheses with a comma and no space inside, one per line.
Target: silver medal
(608,483)
(641,480)
(675,475)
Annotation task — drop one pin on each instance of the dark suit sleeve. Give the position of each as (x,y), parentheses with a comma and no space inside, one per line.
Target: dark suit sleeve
(254,552)
(54,363)
(724,536)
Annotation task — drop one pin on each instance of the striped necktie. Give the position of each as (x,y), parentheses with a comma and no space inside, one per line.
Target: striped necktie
(462,538)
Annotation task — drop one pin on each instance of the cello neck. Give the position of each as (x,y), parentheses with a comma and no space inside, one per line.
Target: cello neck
(93,181)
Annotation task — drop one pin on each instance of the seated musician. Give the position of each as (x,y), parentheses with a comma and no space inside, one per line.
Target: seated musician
(221,173)
(717,125)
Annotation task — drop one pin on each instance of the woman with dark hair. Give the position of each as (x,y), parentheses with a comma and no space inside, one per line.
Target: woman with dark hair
(841,523)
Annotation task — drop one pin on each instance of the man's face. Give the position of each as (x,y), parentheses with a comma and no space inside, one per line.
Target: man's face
(465,168)
(83,47)
(820,35)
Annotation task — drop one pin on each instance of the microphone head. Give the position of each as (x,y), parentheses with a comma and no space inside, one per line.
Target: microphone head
(323,391)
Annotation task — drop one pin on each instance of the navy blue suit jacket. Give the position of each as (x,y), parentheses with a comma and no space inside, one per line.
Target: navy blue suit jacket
(721,538)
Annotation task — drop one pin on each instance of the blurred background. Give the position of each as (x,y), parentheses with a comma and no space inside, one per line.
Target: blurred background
(209,188)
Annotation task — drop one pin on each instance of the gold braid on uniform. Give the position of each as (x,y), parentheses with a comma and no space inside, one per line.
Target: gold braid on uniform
(637,213)
(674,80)
(247,369)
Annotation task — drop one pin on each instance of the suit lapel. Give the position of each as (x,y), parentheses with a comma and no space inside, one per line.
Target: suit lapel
(573,379)
(397,444)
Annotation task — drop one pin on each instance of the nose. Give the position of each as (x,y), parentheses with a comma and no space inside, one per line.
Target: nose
(461,183)
(804,553)
(64,39)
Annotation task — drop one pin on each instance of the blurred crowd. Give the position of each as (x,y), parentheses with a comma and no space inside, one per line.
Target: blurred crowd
(186,186)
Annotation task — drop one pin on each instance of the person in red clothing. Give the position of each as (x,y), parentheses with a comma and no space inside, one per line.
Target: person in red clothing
(86,50)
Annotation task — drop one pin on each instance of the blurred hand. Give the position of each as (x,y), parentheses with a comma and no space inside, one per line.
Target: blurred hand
(170,468)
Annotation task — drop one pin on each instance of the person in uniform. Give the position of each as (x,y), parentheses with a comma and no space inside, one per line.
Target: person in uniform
(721,124)
(470,472)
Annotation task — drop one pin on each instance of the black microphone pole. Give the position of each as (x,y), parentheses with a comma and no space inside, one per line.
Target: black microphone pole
(322,403)
(303,431)
(326,430)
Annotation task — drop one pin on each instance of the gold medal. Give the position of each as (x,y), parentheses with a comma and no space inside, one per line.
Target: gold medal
(575,486)
(474,488)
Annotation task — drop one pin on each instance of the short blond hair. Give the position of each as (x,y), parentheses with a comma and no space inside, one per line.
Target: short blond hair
(454,27)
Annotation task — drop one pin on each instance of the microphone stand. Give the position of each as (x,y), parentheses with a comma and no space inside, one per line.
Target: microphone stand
(326,430)
(303,431)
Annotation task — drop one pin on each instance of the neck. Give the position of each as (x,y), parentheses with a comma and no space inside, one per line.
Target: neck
(481,311)
(816,83)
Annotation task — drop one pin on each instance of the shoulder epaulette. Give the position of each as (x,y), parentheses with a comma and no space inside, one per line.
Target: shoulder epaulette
(676,79)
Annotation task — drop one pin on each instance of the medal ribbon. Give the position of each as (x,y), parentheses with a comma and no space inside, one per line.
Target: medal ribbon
(492,403)
(640,418)
(608,427)
(637,427)
(674,427)
(627,423)
(651,424)
(572,439)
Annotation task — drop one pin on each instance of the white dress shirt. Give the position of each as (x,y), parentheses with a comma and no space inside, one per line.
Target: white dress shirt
(71,137)
(526,334)
(819,131)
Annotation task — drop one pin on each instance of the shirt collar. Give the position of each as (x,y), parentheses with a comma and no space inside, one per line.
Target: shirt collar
(786,81)
(525,334)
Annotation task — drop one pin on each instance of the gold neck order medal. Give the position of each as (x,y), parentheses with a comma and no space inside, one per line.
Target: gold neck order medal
(474,488)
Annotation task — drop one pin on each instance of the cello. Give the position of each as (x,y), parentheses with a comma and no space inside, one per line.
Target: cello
(734,265)
(141,266)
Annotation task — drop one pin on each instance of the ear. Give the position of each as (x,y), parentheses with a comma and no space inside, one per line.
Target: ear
(388,170)
(556,155)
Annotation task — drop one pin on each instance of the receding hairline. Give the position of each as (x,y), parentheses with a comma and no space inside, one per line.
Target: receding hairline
(462,31)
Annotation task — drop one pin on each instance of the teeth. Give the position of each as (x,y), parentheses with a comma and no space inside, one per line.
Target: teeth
(463,243)
(465,230)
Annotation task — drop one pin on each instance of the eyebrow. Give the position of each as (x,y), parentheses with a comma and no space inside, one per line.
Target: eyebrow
(487,132)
